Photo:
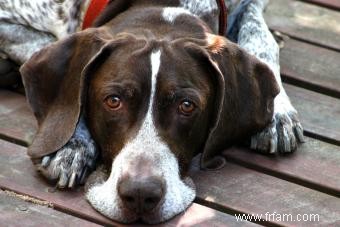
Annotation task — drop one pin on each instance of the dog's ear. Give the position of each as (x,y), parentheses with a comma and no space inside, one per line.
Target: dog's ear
(55,80)
(244,99)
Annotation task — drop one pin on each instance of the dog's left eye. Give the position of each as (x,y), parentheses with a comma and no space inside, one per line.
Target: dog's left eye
(113,102)
(186,107)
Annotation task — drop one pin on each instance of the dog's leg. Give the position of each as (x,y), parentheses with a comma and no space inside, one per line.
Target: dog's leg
(285,131)
(19,42)
(71,164)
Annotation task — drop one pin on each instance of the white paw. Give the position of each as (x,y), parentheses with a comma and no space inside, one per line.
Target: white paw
(283,134)
(70,165)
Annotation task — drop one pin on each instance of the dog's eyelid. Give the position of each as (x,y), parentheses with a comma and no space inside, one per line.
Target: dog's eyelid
(192,96)
(123,91)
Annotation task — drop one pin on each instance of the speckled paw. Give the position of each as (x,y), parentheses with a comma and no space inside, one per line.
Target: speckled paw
(70,165)
(282,135)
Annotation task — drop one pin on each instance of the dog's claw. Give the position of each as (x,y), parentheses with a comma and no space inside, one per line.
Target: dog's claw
(63,178)
(298,130)
(72,180)
(45,161)
(272,146)
(84,175)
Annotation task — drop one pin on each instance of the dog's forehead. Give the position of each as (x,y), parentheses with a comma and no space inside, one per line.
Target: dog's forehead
(131,61)
(179,69)
(127,62)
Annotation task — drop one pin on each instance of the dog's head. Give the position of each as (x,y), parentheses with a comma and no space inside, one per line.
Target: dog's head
(150,105)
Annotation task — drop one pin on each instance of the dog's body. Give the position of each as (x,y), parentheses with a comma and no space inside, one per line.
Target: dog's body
(151,87)
(28,26)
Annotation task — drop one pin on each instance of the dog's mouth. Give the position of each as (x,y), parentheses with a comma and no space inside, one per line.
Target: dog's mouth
(102,194)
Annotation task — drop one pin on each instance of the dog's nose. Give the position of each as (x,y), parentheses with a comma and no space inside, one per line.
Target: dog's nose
(141,195)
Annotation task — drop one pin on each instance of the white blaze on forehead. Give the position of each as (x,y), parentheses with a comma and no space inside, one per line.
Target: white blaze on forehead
(146,145)
(155,64)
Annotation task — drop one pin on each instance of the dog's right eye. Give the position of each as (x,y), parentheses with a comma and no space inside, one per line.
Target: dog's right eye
(113,102)
(186,107)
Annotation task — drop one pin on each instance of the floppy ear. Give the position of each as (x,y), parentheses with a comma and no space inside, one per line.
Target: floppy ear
(245,104)
(54,85)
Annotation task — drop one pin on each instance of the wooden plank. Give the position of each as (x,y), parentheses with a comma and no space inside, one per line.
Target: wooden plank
(242,190)
(315,164)
(311,67)
(17,123)
(332,4)
(17,174)
(305,22)
(318,113)
(15,212)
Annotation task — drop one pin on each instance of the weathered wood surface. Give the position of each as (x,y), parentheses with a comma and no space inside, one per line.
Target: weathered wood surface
(315,165)
(18,174)
(318,113)
(16,212)
(311,66)
(333,4)
(242,190)
(17,123)
(305,21)
(232,188)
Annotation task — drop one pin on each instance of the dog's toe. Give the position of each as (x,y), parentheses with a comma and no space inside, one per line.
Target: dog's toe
(71,164)
(290,132)
(265,141)
(282,135)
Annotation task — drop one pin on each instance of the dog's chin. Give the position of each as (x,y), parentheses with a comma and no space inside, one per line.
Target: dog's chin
(102,196)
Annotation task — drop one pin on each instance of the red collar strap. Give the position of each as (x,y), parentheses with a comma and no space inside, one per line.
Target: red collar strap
(222,26)
(97,6)
(93,11)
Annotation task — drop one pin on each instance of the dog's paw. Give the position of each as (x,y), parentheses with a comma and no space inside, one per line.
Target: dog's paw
(282,135)
(70,165)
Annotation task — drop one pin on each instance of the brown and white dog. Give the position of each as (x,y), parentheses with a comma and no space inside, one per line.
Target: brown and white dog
(150,87)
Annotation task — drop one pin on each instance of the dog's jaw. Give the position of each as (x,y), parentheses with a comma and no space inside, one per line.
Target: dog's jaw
(146,146)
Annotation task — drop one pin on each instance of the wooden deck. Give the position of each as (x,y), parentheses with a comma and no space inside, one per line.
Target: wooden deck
(304,183)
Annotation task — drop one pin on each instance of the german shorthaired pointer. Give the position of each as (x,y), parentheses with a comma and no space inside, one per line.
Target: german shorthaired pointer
(148,88)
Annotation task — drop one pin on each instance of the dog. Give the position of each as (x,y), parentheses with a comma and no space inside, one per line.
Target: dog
(146,89)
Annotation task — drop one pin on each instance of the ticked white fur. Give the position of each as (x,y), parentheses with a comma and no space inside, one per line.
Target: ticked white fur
(146,145)
(197,8)
(169,14)
(43,15)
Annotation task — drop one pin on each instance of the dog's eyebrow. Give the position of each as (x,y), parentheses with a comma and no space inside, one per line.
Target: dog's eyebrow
(129,88)
(191,93)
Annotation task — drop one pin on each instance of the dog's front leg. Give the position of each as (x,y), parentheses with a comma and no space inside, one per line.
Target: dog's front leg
(72,163)
(19,43)
(285,131)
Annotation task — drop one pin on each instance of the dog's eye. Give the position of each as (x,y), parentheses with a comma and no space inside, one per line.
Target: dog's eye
(113,102)
(186,107)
